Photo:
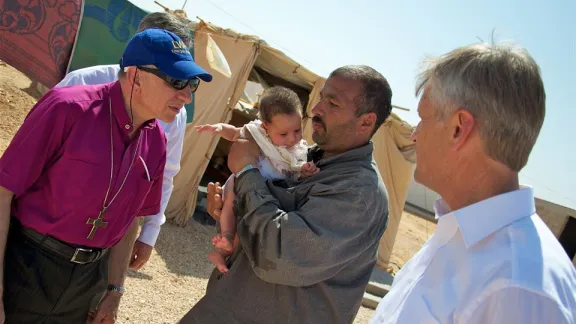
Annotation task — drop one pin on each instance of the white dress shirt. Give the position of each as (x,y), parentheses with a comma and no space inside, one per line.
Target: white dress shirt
(491,262)
(174,135)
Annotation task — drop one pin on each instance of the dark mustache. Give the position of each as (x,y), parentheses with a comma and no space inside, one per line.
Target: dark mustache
(318,120)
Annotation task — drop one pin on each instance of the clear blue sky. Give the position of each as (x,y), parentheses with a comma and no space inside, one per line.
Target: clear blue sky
(393,36)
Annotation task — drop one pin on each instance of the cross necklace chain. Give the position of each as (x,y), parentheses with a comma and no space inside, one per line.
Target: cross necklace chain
(99,222)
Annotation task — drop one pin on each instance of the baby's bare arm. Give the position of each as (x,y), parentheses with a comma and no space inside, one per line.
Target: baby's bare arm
(230,132)
(227,131)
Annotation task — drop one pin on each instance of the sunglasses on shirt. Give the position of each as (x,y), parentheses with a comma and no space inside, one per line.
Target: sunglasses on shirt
(174,83)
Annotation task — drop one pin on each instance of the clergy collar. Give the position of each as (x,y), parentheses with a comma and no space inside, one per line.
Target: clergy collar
(121,113)
(483,218)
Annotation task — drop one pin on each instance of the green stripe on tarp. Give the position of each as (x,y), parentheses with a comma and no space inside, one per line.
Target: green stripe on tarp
(105,28)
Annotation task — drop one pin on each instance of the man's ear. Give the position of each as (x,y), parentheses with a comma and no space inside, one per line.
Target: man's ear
(366,123)
(462,124)
(132,76)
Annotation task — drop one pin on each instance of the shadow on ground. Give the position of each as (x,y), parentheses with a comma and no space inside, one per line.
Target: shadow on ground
(138,275)
(32,90)
(185,249)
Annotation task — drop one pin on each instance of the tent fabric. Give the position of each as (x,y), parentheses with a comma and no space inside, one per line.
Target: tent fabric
(312,101)
(270,59)
(214,104)
(278,64)
(36,37)
(394,153)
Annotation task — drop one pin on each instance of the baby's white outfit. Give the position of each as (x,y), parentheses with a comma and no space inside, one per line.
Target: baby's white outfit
(275,162)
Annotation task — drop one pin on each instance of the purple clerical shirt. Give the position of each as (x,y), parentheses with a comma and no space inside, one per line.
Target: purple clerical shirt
(58,165)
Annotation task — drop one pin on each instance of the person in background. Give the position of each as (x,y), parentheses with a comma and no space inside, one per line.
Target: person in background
(84,164)
(173,130)
(491,258)
(307,248)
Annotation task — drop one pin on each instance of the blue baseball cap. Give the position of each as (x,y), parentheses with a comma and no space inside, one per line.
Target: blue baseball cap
(164,50)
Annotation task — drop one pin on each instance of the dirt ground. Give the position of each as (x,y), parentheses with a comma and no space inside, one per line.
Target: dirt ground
(176,276)
(16,99)
(412,233)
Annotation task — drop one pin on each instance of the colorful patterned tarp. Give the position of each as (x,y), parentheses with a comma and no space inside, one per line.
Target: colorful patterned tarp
(36,36)
(41,38)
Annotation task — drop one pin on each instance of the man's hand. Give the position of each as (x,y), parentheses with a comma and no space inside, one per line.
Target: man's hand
(242,153)
(214,201)
(140,255)
(107,310)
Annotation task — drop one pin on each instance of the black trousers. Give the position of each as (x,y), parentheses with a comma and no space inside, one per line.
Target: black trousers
(40,287)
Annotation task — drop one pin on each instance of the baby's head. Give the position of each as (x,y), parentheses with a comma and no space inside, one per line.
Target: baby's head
(280,110)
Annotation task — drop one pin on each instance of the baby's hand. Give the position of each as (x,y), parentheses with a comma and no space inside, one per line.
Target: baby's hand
(308,169)
(214,129)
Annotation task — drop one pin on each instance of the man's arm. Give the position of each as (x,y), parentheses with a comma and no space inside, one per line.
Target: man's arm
(175,139)
(34,145)
(5,203)
(153,205)
(90,75)
(120,255)
(514,305)
(117,269)
(313,242)
(71,79)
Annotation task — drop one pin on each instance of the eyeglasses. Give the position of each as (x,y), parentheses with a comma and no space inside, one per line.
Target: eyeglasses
(174,83)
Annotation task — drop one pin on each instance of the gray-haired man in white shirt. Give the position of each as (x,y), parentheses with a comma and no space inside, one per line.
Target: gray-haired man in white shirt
(491,259)
(174,131)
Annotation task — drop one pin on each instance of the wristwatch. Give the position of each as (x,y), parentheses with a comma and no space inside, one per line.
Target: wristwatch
(115,288)
(246,168)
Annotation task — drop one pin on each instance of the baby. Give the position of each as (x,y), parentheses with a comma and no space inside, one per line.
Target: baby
(278,133)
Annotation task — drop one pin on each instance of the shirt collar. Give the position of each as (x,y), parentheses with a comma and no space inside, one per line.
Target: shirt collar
(364,152)
(483,218)
(120,112)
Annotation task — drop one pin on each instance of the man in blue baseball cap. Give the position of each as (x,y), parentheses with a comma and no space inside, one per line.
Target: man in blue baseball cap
(86,162)
(174,131)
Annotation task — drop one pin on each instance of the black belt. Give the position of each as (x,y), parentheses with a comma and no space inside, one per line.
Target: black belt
(74,254)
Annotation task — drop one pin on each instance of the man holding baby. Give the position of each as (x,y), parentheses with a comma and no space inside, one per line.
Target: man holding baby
(308,246)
